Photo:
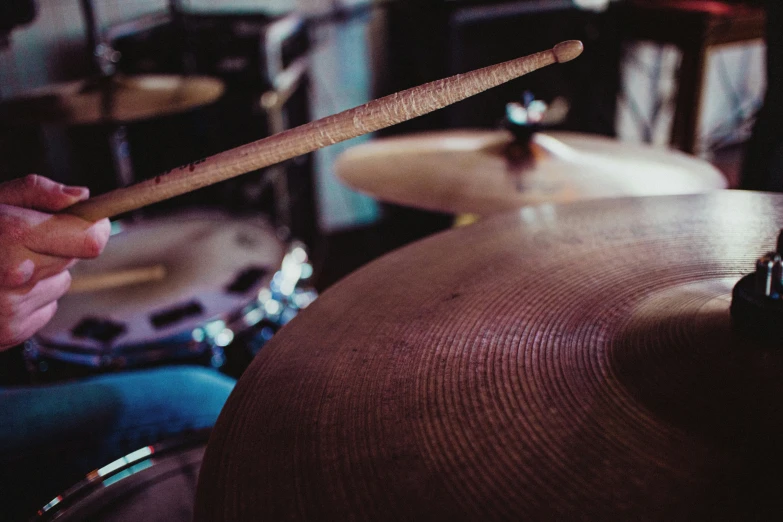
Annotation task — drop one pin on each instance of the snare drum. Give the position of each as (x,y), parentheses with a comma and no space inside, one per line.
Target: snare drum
(153,483)
(221,278)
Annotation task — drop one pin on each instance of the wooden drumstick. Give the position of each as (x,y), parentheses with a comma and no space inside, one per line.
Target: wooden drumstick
(375,115)
(117,278)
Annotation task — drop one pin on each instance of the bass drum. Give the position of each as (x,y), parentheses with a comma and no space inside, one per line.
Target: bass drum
(151,484)
(219,285)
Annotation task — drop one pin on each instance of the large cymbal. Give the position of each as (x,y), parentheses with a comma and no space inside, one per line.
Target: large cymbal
(119,99)
(558,362)
(467,171)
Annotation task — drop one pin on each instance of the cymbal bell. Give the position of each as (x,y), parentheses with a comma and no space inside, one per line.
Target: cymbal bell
(116,99)
(464,171)
(567,362)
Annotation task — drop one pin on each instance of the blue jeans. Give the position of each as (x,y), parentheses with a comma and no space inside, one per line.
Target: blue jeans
(52,435)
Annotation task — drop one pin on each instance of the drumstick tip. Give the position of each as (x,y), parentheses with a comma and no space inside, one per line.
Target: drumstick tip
(568,50)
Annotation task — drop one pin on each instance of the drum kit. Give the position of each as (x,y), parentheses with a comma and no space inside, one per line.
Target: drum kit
(581,352)
(192,285)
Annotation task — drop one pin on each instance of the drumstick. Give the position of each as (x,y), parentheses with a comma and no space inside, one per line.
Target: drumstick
(106,280)
(375,115)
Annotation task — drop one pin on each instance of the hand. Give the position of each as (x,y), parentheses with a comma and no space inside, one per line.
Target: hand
(36,250)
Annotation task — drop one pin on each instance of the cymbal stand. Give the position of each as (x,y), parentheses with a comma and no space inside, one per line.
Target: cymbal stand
(179,24)
(285,81)
(524,119)
(104,59)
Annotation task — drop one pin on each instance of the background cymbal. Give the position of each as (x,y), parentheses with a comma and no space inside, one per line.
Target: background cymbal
(116,99)
(466,171)
(558,362)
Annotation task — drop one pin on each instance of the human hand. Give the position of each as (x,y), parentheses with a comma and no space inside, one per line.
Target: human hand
(36,250)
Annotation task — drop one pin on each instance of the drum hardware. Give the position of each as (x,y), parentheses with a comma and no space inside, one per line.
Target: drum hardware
(757,298)
(533,115)
(565,362)
(104,60)
(102,57)
(120,155)
(288,294)
(523,120)
(285,82)
(157,480)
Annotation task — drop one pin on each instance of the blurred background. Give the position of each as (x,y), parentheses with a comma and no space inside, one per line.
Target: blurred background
(687,75)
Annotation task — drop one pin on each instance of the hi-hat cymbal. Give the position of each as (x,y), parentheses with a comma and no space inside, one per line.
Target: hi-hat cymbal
(118,99)
(572,362)
(468,172)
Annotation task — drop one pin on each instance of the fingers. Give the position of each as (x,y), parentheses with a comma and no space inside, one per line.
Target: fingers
(20,274)
(37,249)
(68,236)
(19,303)
(40,193)
(25,311)
(16,332)
(56,235)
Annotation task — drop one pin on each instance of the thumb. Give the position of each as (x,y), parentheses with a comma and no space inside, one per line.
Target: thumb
(40,193)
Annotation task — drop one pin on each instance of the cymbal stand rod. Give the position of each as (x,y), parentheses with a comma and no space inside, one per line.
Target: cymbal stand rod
(101,56)
(103,59)
(120,155)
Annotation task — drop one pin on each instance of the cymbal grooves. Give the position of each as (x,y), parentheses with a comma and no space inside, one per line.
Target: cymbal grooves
(534,365)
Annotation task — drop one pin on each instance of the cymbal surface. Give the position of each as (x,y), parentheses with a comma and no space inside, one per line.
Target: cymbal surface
(569,362)
(464,171)
(120,99)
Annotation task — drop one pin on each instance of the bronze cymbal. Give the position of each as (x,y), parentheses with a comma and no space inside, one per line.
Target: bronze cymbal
(117,99)
(465,171)
(566,362)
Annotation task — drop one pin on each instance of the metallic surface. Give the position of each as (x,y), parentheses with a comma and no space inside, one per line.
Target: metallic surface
(568,362)
(117,99)
(469,171)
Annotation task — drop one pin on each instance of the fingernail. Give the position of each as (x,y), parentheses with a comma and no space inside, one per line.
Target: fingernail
(75,191)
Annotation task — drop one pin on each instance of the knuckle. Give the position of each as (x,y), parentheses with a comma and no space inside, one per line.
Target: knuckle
(13,277)
(31,180)
(13,226)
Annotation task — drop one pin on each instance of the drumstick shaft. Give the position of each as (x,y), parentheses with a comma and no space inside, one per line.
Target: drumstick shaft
(131,276)
(370,117)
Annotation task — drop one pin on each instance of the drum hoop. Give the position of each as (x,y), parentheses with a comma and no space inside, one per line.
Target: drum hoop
(98,478)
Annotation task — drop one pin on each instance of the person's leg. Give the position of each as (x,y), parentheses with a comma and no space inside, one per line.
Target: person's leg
(51,436)
(763,165)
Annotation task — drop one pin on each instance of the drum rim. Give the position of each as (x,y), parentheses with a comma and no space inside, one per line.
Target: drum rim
(97,478)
